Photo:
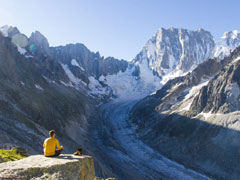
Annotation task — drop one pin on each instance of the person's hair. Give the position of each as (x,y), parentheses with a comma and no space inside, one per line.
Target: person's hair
(51,133)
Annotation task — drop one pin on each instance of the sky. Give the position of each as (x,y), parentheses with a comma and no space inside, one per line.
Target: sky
(118,28)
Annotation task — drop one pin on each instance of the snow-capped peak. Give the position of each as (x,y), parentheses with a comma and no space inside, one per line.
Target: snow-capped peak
(4,30)
(228,42)
(231,34)
(176,48)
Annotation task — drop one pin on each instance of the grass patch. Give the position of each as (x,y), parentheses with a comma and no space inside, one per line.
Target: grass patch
(10,155)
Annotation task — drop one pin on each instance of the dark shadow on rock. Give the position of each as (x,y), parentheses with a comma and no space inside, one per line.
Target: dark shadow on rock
(208,148)
(69,157)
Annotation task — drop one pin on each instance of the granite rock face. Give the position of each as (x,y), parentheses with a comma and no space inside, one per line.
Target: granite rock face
(40,41)
(194,119)
(173,48)
(84,63)
(222,94)
(63,167)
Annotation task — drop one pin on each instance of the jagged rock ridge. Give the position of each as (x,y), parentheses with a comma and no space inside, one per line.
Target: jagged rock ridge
(194,119)
(174,51)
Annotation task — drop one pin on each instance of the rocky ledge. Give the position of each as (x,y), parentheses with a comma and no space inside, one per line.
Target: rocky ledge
(37,167)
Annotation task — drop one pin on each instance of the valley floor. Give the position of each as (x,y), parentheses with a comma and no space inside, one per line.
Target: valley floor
(126,155)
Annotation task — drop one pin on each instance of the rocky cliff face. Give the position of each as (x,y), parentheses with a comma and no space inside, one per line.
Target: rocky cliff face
(82,61)
(194,119)
(172,48)
(221,95)
(173,52)
(40,42)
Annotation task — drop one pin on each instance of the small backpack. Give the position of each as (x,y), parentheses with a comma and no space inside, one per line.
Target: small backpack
(78,152)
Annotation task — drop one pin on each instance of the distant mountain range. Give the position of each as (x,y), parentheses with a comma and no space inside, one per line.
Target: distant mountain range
(169,53)
(189,82)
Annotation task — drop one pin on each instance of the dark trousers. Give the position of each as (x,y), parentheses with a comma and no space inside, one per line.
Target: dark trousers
(57,153)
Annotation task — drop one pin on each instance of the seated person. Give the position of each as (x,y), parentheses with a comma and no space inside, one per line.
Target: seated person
(50,144)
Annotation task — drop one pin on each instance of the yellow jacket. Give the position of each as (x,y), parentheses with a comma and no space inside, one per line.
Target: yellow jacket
(49,146)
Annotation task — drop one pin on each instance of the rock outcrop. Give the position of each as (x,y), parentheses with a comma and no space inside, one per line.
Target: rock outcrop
(39,167)
(40,41)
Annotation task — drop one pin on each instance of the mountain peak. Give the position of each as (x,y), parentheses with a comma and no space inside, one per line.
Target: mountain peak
(231,34)
(176,48)
(39,40)
(9,31)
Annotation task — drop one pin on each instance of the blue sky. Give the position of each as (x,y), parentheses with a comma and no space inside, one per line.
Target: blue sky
(118,28)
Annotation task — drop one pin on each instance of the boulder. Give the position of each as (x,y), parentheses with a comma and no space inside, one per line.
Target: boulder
(38,167)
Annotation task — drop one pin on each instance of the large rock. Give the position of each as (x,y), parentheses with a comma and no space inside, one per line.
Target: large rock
(39,167)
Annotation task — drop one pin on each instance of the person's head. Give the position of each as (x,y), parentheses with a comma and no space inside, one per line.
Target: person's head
(52,133)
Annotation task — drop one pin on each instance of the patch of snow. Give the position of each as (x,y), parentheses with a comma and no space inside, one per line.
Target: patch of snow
(65,84)
(228,42)
(49,80)
(192,93)
(235,34)
(4,30)
(209,114)
(21,50)
(28,56)
(76,81)
(186,108)
(96,88)
(153,93)
(235,60)
(172,75)
(38,87)
(75,63)
(222,49)
(22,83)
